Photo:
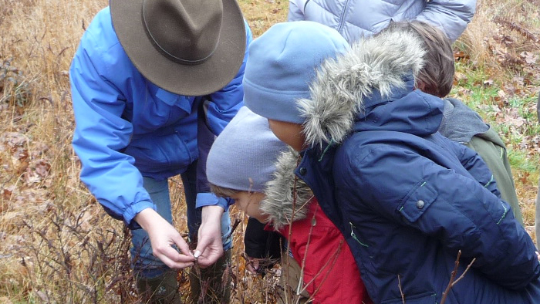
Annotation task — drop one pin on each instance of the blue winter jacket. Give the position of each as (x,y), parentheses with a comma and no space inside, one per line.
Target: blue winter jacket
(354,19)
(127,127)
(406,198)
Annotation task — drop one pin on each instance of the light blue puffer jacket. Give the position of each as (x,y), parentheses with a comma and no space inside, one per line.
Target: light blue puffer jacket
(357,18)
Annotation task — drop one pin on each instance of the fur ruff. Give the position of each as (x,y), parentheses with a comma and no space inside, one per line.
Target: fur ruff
(342,84)
(287,197)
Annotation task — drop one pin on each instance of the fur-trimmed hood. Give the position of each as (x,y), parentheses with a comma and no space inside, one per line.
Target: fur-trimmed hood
(287,196)
(376,66)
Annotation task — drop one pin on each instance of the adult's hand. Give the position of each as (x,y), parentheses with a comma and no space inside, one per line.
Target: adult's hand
(209,246)
(162,237)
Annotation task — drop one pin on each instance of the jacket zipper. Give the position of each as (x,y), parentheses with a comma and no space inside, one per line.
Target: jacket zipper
(305,5)
(342,17)
(355,237)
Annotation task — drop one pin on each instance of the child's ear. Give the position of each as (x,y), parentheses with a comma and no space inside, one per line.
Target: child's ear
(421,86)
(428,89)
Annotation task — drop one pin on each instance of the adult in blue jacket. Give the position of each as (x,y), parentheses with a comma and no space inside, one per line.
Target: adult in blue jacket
(409,201)
(355,19)
(152,83)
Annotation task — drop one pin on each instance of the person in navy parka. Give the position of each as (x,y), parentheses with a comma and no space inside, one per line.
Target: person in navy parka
(150,92)
(354,19)
(409,201)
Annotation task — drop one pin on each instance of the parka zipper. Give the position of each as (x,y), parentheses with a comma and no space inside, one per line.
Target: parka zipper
(355,237)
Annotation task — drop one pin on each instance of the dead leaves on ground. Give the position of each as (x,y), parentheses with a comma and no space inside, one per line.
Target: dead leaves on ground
(26,175)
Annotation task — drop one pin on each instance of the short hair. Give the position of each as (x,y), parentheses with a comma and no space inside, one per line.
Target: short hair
(437,74)
(222,191)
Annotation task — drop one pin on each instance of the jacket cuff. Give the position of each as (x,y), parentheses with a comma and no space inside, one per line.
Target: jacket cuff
(133,210)
(210,199)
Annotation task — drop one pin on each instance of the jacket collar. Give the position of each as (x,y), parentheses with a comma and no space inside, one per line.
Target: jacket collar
(287,196)
(376,66)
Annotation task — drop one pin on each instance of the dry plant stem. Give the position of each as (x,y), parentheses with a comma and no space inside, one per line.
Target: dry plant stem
(400,289)
(453,282)
(334,260)
(205,284)
(463,274)
(300,289)
(452,277)
(287,262)
(235,225)
(300,285)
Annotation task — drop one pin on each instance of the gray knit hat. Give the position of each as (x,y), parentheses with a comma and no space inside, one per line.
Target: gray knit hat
(243,156)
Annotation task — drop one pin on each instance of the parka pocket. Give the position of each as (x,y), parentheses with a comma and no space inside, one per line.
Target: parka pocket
(417,202)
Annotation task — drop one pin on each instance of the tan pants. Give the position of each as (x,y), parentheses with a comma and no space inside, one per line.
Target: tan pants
(290,280)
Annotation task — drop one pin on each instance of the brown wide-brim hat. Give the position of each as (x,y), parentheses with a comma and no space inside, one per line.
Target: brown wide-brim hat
(187,47)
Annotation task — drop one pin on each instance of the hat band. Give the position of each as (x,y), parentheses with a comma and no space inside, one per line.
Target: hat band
(169,55)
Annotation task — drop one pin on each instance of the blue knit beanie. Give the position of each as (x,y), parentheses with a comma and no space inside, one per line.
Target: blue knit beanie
(282,63)
(243,156)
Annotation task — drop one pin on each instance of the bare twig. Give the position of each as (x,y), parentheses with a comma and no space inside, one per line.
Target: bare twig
(453,282)
(464,272)
(235,225)
(328,266)
(452,277)
(400,289)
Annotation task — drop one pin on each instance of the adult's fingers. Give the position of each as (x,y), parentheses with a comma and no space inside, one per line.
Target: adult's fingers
(174,259)
(208,251)
(182,245)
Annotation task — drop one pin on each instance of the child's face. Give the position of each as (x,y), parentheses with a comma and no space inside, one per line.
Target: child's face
(249,203)
(289,133)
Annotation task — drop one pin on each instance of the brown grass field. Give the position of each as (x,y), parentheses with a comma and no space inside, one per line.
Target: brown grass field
(56,243)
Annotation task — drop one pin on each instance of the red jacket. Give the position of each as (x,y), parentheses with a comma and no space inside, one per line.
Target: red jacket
(330,271)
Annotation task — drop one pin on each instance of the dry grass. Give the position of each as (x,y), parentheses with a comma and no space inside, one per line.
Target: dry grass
(500,78)
(56,243)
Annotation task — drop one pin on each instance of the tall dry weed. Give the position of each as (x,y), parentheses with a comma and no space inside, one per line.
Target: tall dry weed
(502,46)
(500,32)
(57,245)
